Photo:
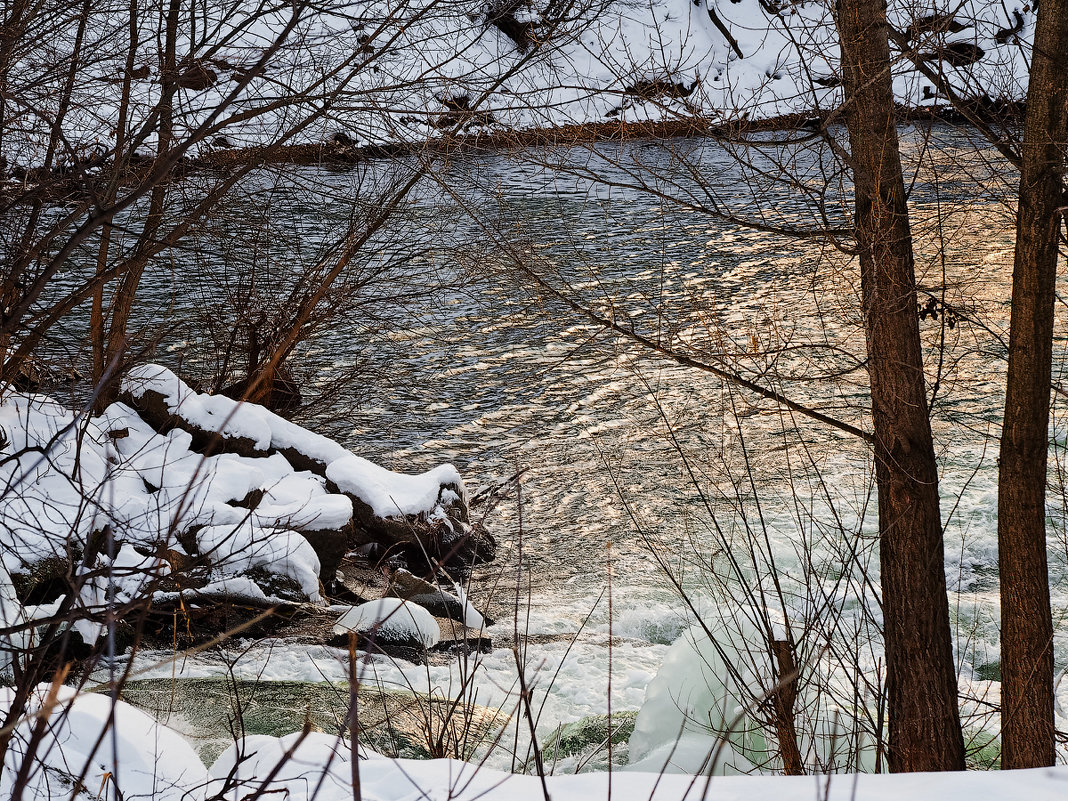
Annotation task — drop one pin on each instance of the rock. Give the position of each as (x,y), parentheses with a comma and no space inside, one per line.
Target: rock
(330,546)
(656,88)
(448,539)
(43,581)
(956,54)
(201,615)
(473,545)
(1003,35)
(456,638)
(281,395)
(501,14)
(934,24)
(391,626)
(28,377)
(277,585)
(458,111)
(432,598)
(361,581)
(587,741)
(196,617)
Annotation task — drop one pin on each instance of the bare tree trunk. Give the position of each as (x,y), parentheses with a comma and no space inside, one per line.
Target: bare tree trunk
(1027,724)
(126,293)
(923,713)
(784,700)
(97,332)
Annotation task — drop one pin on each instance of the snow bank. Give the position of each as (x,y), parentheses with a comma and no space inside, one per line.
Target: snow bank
(320,761)
(140,758)
(149,761)
(305,777)
(390,494)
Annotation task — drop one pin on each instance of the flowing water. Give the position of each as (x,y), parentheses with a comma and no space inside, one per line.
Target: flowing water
(638,471)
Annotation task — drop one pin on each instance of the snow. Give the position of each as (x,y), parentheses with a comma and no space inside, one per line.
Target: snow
(48,491)
(436,780)
(391,617)
(390,70)
(151,761)
(472,617)
(238,549)
(318,765)
(144,759)
(388,493)
(11,615)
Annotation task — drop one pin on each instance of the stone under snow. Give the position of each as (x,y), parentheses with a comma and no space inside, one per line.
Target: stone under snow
(67,478)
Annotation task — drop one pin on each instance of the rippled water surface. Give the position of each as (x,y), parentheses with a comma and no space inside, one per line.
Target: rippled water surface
(627,455)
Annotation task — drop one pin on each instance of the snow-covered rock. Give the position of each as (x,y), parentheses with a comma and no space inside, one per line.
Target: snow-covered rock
(391,625)
(436,600)
(129,504)
(427,512)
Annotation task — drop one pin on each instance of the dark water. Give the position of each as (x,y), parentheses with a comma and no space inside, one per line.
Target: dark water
(455,354)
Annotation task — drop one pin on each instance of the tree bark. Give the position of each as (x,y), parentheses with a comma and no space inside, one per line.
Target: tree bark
(923,715)
(784,700)
(116,346)
(1027,723)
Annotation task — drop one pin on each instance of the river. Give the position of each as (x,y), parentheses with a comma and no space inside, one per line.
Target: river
(638,472)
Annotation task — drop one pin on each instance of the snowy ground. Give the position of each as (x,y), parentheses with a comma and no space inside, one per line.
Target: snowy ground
(144,760)
(405,74)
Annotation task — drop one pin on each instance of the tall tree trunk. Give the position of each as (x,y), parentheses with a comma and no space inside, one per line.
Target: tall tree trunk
(921,684)
(1027,723)
(97,332)
(122,304)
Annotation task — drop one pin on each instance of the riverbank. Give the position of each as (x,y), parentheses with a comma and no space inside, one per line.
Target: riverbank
(67,183)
